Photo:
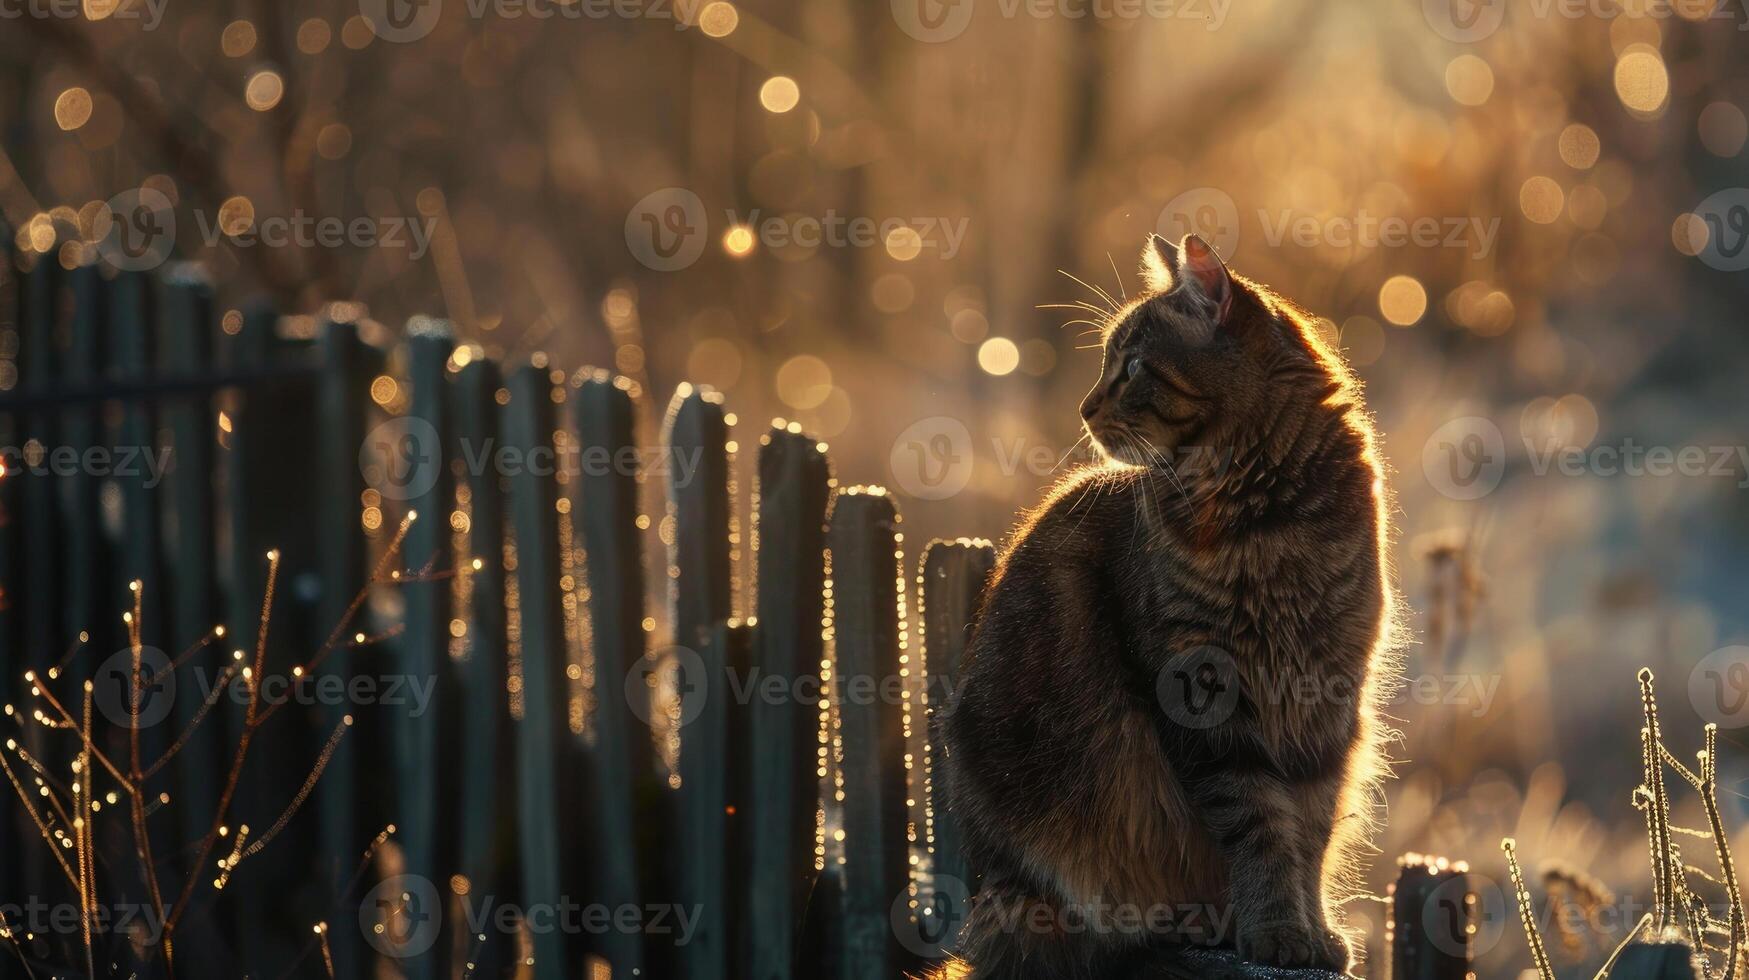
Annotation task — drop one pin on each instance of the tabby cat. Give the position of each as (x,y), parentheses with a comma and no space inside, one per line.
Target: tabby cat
(1166,731)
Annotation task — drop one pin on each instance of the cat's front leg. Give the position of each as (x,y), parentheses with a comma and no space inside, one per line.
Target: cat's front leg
(1273,866)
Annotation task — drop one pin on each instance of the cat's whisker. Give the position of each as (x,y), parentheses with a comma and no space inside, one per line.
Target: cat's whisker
(1166,465)
(1120,289)
(1085,435)
(1102,294)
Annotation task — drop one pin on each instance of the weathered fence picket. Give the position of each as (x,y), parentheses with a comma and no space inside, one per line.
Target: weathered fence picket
(539,776)
(794,490)
(1432,917)
(604,509)
(185,329)
(480,747)
(422,457)
(528,426)
(949,588)
(865,670)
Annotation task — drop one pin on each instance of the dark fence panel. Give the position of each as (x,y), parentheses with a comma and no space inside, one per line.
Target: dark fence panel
(421,653)
(528,426)
(1432,916)
(864,544)
(794,489)
(622,768)
(185,331)
(480,749)
(951,586)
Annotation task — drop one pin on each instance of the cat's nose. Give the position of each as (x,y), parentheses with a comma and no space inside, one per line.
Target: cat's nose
(1090,407)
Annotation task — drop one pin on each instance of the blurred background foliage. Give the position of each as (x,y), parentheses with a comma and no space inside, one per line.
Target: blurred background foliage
(1570,147)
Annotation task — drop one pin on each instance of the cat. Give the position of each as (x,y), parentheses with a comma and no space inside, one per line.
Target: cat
(1167,728)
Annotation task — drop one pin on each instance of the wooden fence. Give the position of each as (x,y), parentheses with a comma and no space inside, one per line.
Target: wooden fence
(561,759)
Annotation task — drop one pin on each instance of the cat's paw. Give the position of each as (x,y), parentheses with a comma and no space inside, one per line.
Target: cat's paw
(1292,945)
(1335,949)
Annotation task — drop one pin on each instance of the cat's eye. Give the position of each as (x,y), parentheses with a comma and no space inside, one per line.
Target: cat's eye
(1134,366)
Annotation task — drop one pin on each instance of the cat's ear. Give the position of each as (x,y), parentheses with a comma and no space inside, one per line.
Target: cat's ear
(1202,270)
(1160,260)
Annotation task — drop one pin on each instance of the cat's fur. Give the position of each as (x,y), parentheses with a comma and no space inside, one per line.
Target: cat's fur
(1106,807)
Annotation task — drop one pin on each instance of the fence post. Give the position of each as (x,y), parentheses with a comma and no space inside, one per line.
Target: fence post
(950,586)
(422,466)
(43,640)
(528,428)
(1432,916)
(340,562)
(86,573)
(604,509)
(14,658)
(185,347)
(481,744)
(794,488)
(699,570)
(712,800)
(865,569)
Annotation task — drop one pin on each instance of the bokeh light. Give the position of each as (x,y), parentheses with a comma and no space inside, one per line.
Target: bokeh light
(779,94)
(998,356)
